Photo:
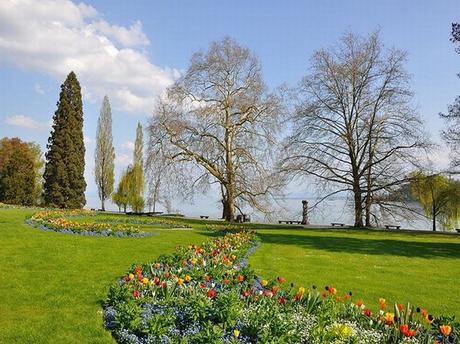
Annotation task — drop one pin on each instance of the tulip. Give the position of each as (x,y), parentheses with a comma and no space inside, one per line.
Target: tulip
(445,330)
(236,333)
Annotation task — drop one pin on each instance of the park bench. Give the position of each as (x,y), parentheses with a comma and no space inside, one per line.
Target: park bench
(333,224)
(392,227)
(154,213)
(290,222)
(204,217)
(458,230)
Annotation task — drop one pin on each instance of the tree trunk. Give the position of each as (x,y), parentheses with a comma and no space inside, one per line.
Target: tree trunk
(358,208)
(229,204)
(434,217)
(102,205)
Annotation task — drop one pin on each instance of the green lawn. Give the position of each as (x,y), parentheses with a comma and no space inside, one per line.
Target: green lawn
(423,269)
(52,284)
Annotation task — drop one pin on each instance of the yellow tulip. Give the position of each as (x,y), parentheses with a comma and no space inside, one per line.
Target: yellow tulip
(236,333)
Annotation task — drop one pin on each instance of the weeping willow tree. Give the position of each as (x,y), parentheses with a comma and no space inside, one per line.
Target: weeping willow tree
(439,197)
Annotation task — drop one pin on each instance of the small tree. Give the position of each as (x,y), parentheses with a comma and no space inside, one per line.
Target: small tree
(136,173)
(122,195)
(438,196)
(32,150)
(104,155)
(17,179)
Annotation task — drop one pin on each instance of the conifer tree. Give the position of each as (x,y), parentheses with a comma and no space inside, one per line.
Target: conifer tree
(65,184)
(104,154)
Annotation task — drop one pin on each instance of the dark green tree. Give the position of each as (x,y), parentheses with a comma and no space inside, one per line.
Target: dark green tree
(65,184)
(17,179)
(10,145)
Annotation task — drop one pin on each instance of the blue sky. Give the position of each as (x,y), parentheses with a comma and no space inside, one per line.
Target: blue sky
(131,50)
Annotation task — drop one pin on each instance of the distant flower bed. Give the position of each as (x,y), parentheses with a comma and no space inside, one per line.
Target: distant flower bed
(60,221)
(137,220)
(208,294)
(226,227)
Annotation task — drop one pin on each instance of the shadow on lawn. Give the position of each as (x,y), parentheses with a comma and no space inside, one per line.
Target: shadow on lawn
(366,246)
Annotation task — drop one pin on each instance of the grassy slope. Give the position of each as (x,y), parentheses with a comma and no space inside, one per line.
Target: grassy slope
(423,269)
(51,284)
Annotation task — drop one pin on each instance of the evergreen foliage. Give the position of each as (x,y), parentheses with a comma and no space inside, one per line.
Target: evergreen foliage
(65,184)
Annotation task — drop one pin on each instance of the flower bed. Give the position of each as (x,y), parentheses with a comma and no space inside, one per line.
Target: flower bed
(58,221)
(157,221)
(208,294)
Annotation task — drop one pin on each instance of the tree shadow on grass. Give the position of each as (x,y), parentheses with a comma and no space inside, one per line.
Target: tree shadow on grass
(346,244)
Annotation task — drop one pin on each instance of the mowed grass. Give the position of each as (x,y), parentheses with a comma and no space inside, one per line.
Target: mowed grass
(420,268)
(52,284)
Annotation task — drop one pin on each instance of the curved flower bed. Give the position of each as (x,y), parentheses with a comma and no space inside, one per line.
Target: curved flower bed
(158,221)
(208,294)
(58,221)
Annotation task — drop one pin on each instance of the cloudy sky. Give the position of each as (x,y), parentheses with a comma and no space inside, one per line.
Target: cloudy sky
(132,50)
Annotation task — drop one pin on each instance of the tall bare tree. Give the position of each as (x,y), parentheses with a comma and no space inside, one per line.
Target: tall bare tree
(104,155)
(451,134)
(354,127)
(219,119)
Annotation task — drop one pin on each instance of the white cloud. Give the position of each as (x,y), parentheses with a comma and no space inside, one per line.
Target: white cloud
(57,36)
(122,160)
(128,145)
(24,122)
(39,89)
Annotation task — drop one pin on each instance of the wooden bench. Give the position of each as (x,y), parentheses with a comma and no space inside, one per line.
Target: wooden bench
(333,224)
(290,222)
(204,217)
(392,227)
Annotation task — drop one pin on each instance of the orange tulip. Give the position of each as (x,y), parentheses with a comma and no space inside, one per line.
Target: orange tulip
(445,330)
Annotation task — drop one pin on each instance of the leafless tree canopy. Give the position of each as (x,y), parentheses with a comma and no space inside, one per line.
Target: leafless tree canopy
(219,122)
(355,127)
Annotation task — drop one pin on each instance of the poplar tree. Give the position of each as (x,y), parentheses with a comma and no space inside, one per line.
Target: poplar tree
(104,154)
(65,184)
(136,175)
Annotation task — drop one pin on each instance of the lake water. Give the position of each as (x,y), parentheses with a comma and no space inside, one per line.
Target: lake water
(290,208)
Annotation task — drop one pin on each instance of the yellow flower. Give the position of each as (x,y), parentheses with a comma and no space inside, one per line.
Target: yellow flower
(188,278)
(301,290)
(131,276)
(180,281)
(236,333)
(145,280)
(264,283)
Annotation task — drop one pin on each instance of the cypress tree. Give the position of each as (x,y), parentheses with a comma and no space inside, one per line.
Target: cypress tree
(65,184)
(104,154)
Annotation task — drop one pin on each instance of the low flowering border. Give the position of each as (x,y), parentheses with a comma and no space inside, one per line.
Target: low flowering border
(58,221)
(208,294)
